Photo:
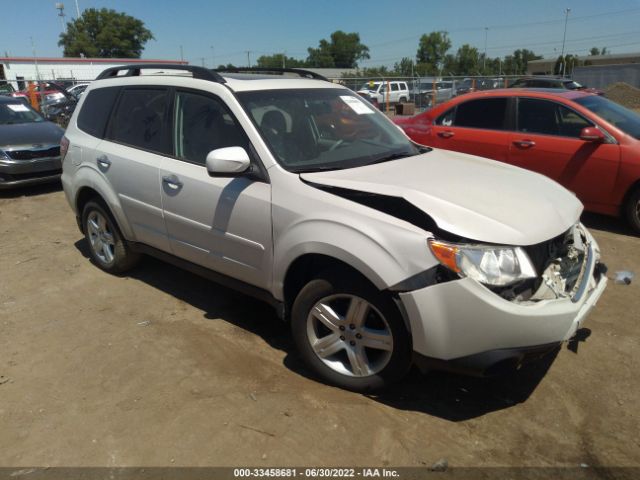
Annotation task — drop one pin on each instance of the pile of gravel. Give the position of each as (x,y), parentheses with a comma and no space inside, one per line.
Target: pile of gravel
(624,94)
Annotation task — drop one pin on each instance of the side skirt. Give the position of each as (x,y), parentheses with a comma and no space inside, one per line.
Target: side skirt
(233,283)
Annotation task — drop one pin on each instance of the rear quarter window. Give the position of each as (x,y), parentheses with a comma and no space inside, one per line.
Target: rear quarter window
(94,115)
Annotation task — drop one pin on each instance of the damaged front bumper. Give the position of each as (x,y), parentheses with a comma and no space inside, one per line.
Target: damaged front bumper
(462,319)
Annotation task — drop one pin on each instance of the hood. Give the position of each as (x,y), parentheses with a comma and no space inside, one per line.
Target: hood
(468,196)
(45,133)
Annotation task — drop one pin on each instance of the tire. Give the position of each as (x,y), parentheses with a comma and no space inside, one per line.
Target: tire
(403,100)
(358,332)
(107,246)
(632,210)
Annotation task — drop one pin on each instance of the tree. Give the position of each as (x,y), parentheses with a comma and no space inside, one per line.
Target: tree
(404,67)
(569,61)
(279,60)
(343,51)
(596,51)
(516,64)
(432,49)
(105,33)
(467,60)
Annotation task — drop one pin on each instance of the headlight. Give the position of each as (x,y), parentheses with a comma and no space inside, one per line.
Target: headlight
(488,264)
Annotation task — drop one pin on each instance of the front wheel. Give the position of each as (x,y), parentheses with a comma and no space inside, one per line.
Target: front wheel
(350,334)
(632,210)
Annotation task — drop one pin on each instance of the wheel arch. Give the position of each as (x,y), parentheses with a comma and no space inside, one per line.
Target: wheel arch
(91,186)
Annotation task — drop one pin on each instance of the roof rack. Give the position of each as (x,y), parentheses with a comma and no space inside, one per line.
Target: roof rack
(134,71)
(299,71)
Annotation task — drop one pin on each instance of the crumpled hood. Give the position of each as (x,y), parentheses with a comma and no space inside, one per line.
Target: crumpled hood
(468,196)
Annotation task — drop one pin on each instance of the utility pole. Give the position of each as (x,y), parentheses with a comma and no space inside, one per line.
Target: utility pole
(181,54)
(284,56)
(248,58)
(564,37)
(35,58)
(202,60)
(77,10)
(484,59)
(60,8)
(213,57)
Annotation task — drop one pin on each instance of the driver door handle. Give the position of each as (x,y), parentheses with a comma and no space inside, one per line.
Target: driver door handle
(446,134)
(172,181)
(524,143)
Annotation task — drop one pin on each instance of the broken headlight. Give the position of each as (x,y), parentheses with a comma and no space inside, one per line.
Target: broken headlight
(488,264)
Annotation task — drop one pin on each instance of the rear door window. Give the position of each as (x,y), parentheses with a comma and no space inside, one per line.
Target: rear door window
(486,113)
(140,120)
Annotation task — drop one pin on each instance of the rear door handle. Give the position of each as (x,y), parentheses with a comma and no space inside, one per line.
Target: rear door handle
(103,161)
(172,181)
(524,143)
(446,134)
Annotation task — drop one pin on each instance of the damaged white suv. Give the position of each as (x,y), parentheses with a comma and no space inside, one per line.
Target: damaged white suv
(291,188)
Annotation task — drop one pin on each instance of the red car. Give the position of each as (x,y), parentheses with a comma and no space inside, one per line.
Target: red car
(585,142)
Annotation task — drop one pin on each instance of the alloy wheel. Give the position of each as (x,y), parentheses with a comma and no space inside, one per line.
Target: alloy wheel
(349,335)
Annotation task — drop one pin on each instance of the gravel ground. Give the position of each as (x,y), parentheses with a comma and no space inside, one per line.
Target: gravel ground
(163,368)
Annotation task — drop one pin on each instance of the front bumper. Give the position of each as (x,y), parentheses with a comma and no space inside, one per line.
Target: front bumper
(16,173)
(462,318)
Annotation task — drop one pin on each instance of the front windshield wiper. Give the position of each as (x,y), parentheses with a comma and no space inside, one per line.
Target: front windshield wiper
(392,156)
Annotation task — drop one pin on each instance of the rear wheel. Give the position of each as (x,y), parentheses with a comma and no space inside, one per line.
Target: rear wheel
(349,333)
(632,210)
(107,246)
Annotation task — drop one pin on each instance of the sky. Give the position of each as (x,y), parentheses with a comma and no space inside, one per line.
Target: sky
(220,32)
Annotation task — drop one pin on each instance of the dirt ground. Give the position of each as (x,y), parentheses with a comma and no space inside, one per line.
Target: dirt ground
(163,368)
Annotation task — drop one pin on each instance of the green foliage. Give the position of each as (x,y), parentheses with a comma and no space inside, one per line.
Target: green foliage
(467,60)
(105,33)
(404,67)
(432,49)
(279,60)
(570,62)
(343,51)
(516,64)
(596,51)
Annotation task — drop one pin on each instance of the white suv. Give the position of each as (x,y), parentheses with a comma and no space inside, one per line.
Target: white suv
(394,91)
(379,252)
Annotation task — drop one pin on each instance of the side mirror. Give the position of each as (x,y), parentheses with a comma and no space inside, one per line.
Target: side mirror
(592,134)
(227,161)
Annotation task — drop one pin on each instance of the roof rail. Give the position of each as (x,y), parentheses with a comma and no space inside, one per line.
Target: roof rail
(300,71)
(134,71)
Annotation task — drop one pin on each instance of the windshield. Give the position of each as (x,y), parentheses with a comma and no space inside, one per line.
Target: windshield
(615,114)
(369,86)
(324,129)
(18,112)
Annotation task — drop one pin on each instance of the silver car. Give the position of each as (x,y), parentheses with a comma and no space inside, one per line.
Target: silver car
(29,146)
(377,251)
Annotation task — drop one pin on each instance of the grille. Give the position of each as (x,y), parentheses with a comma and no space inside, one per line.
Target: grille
(31,154)
(543,253)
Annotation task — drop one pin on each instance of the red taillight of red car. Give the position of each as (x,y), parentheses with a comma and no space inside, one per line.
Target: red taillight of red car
(64,148)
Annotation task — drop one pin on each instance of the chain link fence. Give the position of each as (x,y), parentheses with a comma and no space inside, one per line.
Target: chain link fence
(422,92)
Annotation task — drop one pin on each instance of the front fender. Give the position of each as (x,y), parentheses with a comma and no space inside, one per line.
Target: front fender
(384,253)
